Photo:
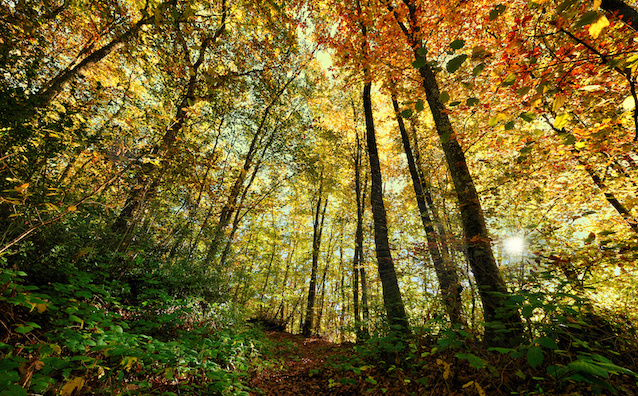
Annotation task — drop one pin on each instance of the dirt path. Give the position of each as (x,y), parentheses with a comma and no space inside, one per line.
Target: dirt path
(298,367)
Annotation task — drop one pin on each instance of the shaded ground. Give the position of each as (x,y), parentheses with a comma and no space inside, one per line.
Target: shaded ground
(300,366)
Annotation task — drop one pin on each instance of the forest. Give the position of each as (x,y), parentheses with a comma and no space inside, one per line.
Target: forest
(318,197)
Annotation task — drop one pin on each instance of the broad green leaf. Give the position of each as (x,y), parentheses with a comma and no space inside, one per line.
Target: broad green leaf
(529,116)
(476,361)
(457,44)
(548,342)
(407,113)
(419,105)
(454,64)
(509,125)
(535,356)
(527,310)
(444,97)
(587,367)
(422,52)
(455,103)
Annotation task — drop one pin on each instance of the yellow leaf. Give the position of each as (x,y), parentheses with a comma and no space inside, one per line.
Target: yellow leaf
(561,121)
(480,390)
(597,4)
(128,362)
(38,365)
(75,383)
(56,348)
(446,368)
(71,208)
(559,100)
(596,28)
(100,372)
(580,145)
(468,384)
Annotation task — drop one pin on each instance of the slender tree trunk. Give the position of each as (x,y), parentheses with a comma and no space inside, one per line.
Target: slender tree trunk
(445,271)
(392,299)
(320,215)
(492,287)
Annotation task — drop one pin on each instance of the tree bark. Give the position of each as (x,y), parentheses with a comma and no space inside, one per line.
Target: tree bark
(492,287)
(445,271)
(392,299)
(625,12)
(320,215)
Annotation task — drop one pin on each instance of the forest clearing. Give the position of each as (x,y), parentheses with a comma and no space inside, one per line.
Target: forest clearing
(318,197)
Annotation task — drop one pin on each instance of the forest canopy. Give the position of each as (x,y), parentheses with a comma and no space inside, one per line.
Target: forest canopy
(447,184)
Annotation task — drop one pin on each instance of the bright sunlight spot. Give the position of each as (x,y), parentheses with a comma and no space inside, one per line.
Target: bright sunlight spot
(514,244)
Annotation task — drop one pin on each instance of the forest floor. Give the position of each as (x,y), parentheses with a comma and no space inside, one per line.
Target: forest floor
(313,366)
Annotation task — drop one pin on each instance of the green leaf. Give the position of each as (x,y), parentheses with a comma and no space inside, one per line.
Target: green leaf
(455,103)
(504,351)
(24,329)
(528,117)
(444,97)
(527,310)
(419,63)
(407,113)
(548,342)
(493,121)
(455,63)
(422,52)
(478,69)
(587,18)
(457,44)
(472,101)
(419,105)
(497,11)
(565,5)
(588,367)
(509,125)
(522,91)
(476,361)
(509,80)
(569,140)
(535,356)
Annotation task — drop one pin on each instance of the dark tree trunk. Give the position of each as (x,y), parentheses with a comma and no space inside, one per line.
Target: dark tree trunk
(445,271)
(316,246)
(357,268)
(392,299)
(626,13)
(492,287)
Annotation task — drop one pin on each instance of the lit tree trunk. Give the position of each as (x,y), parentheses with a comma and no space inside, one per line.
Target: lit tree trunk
(492,287)
(445,271)
(320,215)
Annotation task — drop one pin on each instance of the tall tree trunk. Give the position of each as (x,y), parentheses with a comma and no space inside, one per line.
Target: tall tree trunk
(626,13)
(492,287)
(357,268)
(445,271)
(392,299)
(320,215)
